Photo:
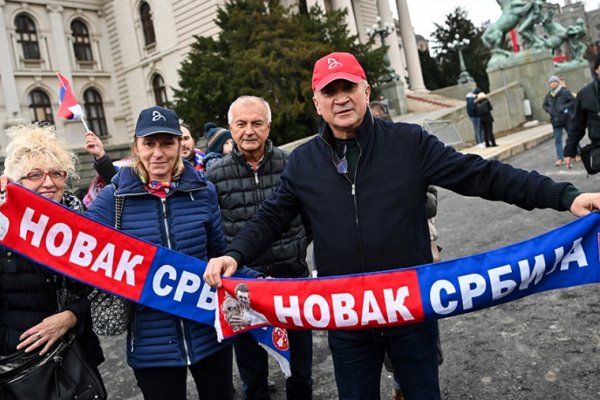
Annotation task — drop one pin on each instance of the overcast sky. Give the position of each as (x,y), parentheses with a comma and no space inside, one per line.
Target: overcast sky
(424,13)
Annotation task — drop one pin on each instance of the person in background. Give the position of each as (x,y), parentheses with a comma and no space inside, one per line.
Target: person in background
(473,116)
(105,167)
(362,183)
(385,103)
(586,117)
(219,143)
(558,102)
(188,148)
(38,306)
(167,202)
(102,162)
(378,111)
(484,110)
(244,178)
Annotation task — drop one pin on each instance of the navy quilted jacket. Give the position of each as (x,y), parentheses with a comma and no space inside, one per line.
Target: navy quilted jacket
(187,221)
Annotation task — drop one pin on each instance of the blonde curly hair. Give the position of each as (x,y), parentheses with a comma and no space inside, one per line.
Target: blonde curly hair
(36,146)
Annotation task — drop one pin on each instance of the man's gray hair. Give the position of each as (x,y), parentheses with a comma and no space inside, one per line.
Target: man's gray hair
(246,100)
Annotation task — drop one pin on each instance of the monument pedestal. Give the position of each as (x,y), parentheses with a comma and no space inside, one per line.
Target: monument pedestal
(395,93)
(576,76)
(532,71)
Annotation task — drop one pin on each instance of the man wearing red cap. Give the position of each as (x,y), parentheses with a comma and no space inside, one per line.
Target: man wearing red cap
(362,182)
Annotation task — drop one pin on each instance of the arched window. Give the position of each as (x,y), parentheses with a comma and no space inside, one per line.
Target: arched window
(39,103)
(160,90)
(27,37)
(94,112)
(81,41)
(147,24)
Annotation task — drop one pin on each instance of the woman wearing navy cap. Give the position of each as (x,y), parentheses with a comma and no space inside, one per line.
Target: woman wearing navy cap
(168,203)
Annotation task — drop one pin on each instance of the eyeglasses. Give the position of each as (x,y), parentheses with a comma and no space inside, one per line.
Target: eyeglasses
(38,175)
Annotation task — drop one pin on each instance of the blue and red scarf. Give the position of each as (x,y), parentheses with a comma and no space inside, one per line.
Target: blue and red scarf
(101,256)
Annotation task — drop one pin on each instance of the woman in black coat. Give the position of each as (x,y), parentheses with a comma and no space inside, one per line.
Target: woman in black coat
(484,110)
(37,306)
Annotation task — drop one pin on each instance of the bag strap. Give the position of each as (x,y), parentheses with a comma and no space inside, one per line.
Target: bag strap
(595,91)
(119,201)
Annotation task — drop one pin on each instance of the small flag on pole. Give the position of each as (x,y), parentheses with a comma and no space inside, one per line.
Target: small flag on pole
(69,108)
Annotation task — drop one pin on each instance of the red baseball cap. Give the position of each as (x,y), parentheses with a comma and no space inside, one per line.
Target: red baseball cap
(336,66)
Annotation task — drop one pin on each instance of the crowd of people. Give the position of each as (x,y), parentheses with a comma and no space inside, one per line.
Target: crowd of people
(254,209)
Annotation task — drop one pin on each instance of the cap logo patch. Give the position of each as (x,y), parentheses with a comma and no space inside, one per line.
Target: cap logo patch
(333,63)
(156,115)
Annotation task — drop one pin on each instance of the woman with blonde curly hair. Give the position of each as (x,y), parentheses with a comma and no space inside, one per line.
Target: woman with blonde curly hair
(37,306)
(38,159)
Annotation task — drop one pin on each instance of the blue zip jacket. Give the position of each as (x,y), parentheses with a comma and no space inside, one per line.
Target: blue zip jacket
(378,221)
(187,221)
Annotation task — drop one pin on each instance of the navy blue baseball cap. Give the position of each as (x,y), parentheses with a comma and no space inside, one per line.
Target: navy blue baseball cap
(157,120)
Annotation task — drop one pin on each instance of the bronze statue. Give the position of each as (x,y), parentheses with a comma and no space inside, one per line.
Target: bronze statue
(524,16)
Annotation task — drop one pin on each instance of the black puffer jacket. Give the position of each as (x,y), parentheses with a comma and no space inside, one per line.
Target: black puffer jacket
(241,192)
(585,116)
(29,293)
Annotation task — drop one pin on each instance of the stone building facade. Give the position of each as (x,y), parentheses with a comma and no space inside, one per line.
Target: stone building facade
(120,56)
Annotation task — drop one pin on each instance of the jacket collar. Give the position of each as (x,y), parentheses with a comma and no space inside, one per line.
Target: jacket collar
(240,158)
(128,182)
(363,133)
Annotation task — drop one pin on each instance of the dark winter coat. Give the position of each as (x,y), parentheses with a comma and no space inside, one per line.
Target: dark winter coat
(585,116)
(559,106)
(187,221)
(471,109)
(30,292)
(378,221)
(241,193)
(484,110)
(211,159)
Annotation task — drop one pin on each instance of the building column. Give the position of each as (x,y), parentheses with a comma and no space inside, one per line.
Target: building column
(415,75)
(350,17)
(9,85)
(393,53)
(61,54)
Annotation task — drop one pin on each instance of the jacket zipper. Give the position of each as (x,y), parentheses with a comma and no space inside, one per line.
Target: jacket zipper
(355,204)
(163,202)
(258,192)
(166,225)
(356,221)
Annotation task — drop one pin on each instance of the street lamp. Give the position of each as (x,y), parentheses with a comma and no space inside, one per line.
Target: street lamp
(383,30)
(464,76)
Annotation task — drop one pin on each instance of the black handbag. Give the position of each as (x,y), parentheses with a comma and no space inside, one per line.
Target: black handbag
(590,156)
(110,313)
(63,373)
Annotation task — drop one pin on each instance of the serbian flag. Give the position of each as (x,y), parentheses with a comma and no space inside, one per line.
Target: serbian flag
(69,108)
